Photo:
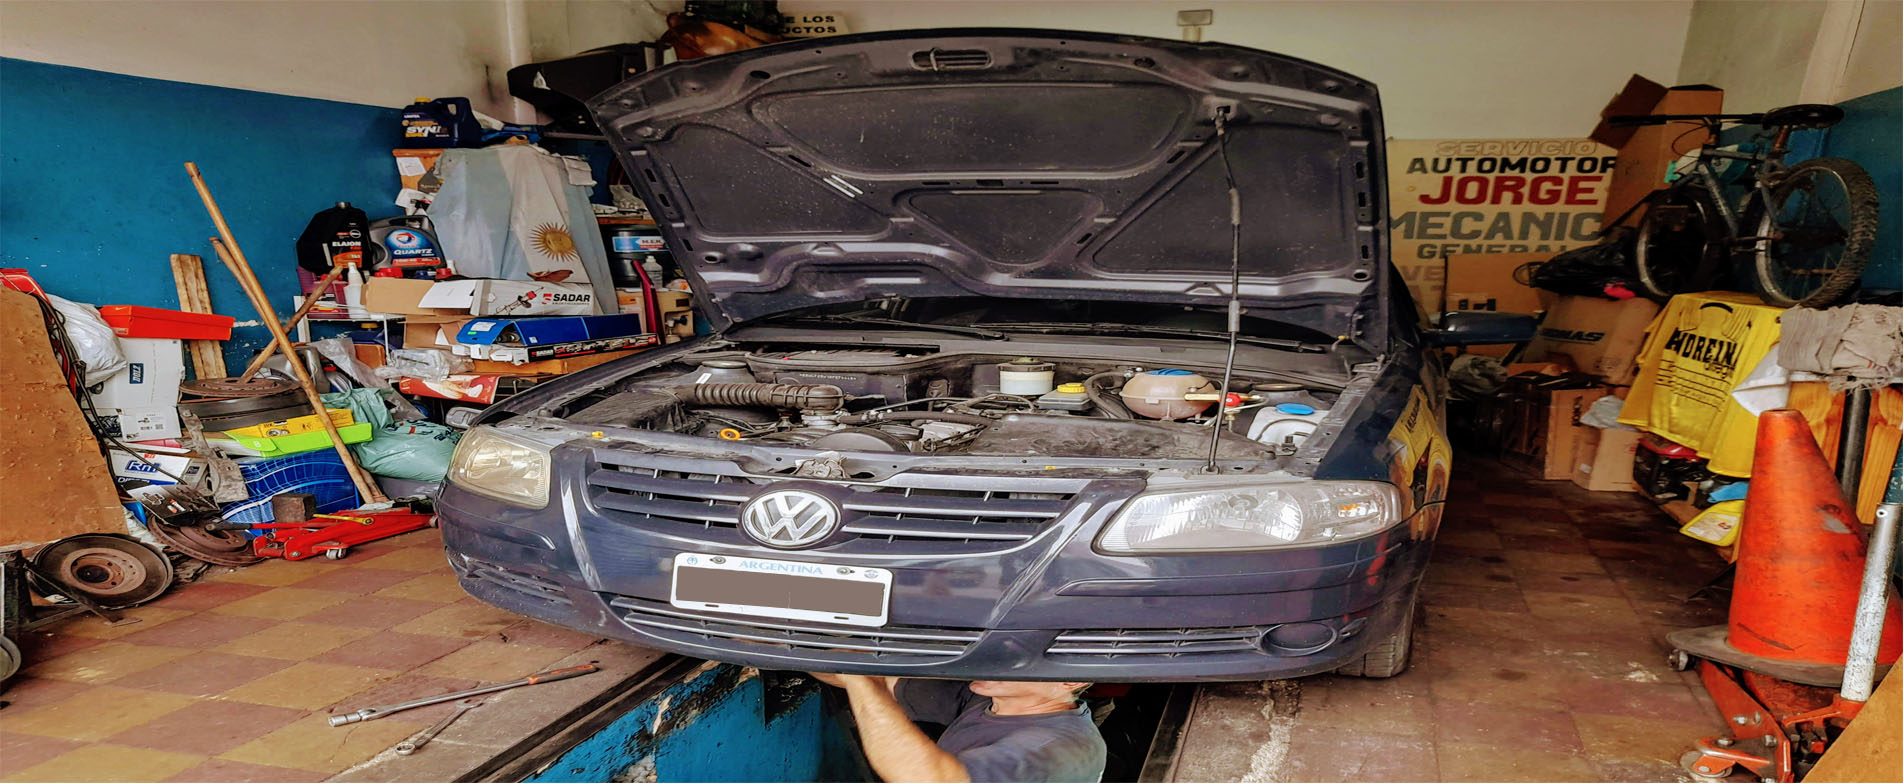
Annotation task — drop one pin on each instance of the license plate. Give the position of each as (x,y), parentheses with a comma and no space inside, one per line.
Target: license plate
(780,588)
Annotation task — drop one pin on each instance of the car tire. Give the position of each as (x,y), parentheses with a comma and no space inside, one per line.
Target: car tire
(1388,657)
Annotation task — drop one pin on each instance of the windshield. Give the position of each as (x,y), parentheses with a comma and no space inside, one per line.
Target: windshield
(1001,314)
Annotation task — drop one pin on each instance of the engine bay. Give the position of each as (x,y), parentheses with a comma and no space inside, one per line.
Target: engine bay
(924,401)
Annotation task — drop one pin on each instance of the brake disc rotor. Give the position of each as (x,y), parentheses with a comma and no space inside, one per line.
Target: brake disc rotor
(217,547)
(226,388)
(109,570)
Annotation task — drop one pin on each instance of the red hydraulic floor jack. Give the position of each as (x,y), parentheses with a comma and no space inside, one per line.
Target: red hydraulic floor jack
(332,535)
(1810,626)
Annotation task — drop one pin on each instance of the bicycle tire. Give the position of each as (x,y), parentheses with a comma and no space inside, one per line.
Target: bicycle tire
(1660,248)
(1859,235)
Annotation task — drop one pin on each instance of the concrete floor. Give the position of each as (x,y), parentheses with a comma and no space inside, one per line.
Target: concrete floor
(1541,658)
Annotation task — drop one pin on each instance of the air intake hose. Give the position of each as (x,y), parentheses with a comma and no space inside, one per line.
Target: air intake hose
(790,396)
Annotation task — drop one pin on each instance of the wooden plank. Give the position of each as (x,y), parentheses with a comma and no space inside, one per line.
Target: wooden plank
(56,480)
(188,273)
(1825,411)
(1871,749)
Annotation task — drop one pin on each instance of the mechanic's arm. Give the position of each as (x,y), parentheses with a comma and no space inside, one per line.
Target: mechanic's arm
(897,749)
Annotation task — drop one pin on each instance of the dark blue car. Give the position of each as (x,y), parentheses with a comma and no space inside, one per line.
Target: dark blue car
(1034,355)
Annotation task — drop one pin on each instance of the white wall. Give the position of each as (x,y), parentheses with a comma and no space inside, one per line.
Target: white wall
(1446,69)
(1758,51)
(1769,53)
(1875,60)
(379,53)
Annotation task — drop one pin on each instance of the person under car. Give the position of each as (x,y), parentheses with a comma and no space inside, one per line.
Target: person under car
(995,730)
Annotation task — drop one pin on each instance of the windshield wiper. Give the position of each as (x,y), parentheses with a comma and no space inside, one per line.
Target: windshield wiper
(1139,329)
(867,320)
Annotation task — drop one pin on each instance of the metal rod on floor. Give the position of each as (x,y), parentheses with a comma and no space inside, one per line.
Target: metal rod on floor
(1874,598)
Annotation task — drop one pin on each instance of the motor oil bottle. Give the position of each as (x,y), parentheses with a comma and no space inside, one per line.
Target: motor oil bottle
(443,122)
(336,236)
(406,243)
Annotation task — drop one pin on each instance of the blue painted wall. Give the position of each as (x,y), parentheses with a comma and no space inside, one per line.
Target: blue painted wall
(1870,136)
(94,197)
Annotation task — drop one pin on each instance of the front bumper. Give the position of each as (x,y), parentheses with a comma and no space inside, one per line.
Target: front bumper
(1048,608)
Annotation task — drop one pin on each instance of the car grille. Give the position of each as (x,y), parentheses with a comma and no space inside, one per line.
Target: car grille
(839,642)
(1166,642)
(529,584)
(944,511)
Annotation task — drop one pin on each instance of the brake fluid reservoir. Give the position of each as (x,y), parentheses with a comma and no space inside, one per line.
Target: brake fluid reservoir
(1027,376)
(1284,425)
(1066,397)
(1158,394)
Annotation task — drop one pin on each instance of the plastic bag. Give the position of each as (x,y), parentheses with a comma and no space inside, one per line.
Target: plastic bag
(415,450)
(429,364)
(517,210)
(1604,414)
(92,339)
(340,352)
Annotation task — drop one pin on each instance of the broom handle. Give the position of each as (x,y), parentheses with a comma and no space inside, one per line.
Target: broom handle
(233,256)
(296,318)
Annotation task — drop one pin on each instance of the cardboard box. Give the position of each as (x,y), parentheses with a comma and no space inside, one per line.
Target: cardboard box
(1603,462)
(412,164)
(142,423)
(1646,152)
(1541,429)
(1485,282)
(460,388)
(1601,336)
(401,296)
(513,298)
(150,380)
(192,469)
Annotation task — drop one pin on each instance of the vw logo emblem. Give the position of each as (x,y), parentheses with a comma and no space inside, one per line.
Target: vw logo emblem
(789,518)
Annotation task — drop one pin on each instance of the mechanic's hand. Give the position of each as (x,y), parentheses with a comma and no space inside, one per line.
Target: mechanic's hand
(835,680)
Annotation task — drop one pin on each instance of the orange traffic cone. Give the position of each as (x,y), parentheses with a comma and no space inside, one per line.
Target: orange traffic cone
(1800,555)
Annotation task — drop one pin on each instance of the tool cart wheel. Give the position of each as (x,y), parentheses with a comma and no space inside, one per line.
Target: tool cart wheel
(9,658)
(1689,762)
(337,554)
(1679,660)
(432,521)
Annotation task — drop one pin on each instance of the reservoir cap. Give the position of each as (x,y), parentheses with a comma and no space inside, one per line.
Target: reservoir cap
(1295,408)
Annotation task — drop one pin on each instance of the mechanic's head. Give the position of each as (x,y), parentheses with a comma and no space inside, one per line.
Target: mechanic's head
(1011,689)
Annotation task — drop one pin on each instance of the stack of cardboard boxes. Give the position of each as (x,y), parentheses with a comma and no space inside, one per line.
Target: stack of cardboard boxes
(1587,347)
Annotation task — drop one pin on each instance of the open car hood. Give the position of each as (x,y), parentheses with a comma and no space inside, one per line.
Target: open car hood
(1012,163)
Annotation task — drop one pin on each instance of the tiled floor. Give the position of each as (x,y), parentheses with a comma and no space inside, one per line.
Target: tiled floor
(1542,658)
(231,678)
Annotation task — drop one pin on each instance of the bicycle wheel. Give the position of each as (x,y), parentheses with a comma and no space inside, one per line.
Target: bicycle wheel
(1815,235)
(1674,235)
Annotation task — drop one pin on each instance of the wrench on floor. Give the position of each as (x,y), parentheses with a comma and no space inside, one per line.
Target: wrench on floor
(421,738)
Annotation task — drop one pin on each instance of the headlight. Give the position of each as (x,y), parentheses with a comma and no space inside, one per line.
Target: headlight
(495,465)
(1213,518)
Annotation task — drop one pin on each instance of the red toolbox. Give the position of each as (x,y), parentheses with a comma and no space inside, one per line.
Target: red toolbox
(136,321)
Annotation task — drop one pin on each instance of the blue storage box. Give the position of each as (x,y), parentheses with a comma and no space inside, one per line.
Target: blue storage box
(319,473)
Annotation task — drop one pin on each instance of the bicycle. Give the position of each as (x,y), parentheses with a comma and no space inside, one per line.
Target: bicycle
(1811,225)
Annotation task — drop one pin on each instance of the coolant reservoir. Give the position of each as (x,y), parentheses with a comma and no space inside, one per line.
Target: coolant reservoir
(1158,394)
